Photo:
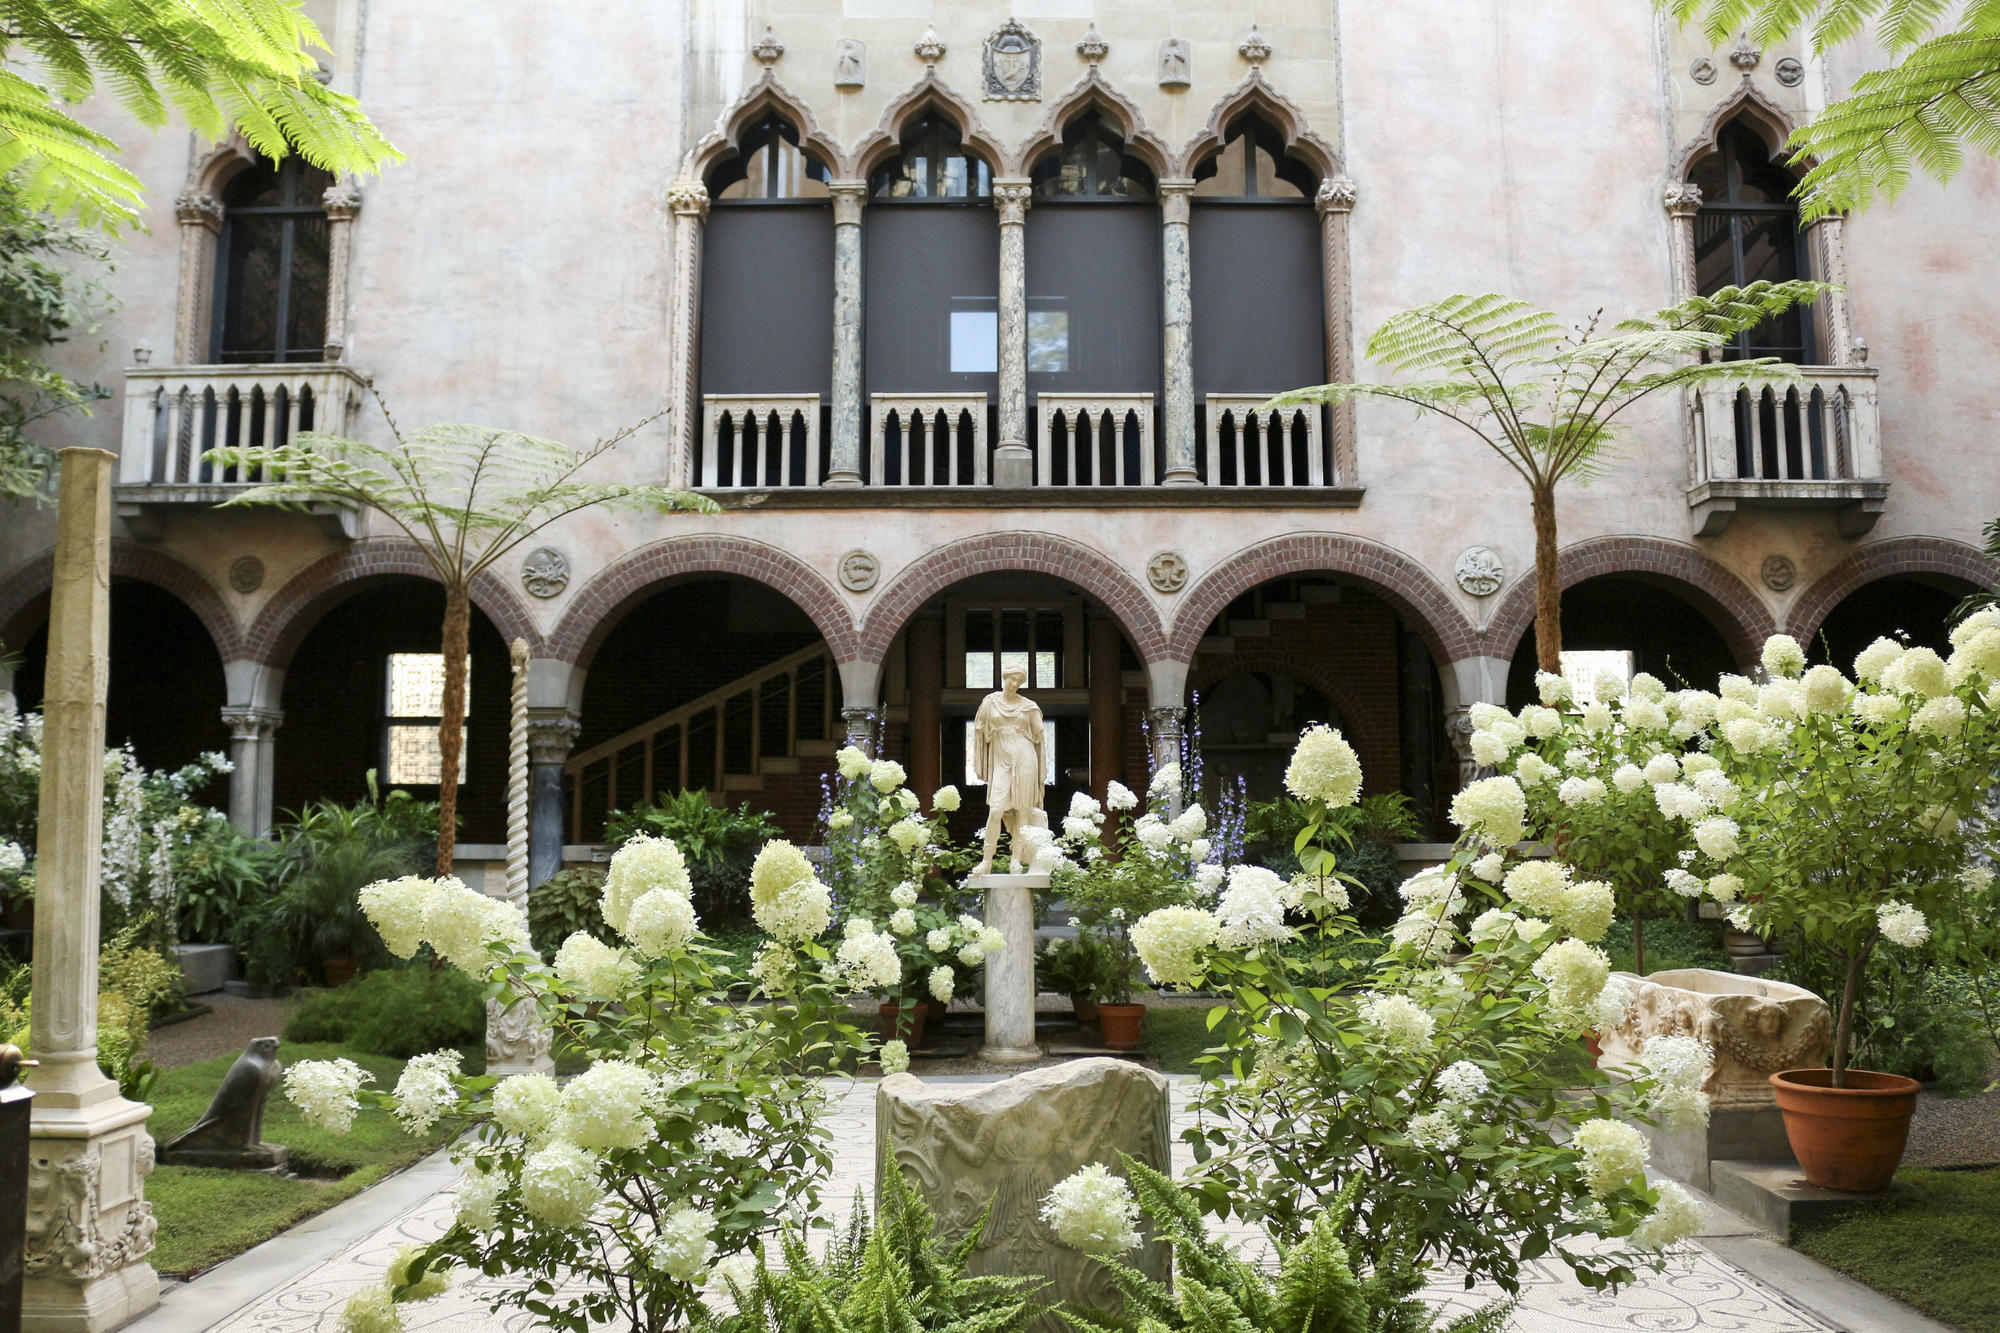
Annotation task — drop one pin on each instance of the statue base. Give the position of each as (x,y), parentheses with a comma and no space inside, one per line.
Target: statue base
(1010,974)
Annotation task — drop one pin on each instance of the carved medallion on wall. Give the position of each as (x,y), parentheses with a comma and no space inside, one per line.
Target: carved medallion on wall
(1176,60)
(545,572)
(1167,571)
(1779,572)
(1790,72)
(1479,571)
(1702,71)
(1013,64)
(246,574)
(859,570)
(850,63)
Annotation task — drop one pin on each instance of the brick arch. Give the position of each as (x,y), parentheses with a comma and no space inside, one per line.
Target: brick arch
(1014,552)
(1402,582)
(24,601)
(1373,738)
(283,623)
(1736,611)
(1936,558)
(622,585)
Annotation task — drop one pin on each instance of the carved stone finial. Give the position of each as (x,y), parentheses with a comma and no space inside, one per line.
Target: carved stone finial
(342,201)
(688,197)
(1336,195)
(198,207)
(1745,56)
(1682,198)
(1255,49)
(1093,47)
(768,49)
(929,48)
(1857,351)
(230,1133)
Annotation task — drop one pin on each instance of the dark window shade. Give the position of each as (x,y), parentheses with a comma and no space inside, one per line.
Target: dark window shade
(1259,316)
(1748,231)
(926,263)
(1094,276)
(271,265)
(767,300)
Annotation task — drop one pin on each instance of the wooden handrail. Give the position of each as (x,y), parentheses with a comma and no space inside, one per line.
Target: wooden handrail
(687,712)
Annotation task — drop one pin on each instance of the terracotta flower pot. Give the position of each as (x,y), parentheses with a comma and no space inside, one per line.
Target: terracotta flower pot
(1121,1025)
(339,969)
(912,1024)
(1084,1007)
(1847,1138)
(1593,1045)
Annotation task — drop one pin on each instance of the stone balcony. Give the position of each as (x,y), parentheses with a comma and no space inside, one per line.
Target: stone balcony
(1761,442)
(176,414)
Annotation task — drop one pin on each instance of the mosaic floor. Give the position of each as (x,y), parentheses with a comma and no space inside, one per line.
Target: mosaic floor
(1697,1291)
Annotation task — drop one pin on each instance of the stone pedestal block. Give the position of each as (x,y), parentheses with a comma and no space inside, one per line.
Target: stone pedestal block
(1009,1143)
(206,967)
(1010,974)
(1755,1027)
(1013,466)
(1751,1136)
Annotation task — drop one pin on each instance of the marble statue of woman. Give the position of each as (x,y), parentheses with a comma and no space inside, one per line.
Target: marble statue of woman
(1007,755)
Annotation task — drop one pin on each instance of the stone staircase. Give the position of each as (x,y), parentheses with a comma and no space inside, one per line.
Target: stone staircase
(1287,603)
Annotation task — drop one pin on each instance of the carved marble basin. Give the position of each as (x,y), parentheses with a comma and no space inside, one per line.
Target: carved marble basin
(1755,1026)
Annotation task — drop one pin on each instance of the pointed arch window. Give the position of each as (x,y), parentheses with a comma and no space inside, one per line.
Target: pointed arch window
(1748,230)
(1252,164)
(271,265)
(769,164)
(933,164)
(1093,164)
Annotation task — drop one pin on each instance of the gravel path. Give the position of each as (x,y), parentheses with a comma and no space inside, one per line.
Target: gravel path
(1955,1131)
(227,1031)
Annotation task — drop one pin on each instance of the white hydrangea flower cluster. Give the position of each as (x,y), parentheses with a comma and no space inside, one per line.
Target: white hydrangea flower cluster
(787,899)
(13,860)
(458,923)
(395,907)
(560,1186)
(1676,1217)
(1575,974)
(607,1106)
(684,1245)
(1324,768)
(1252,910)
(325,1092)
(1680,1065)
(1398,1021)
(1903,924)
(425,1092)
(648,897)
(592,967)
(527,1105)
(1093,1211)
(1173,944)
(868,961)
(894,1057)
(1614,1155)
(1494,809)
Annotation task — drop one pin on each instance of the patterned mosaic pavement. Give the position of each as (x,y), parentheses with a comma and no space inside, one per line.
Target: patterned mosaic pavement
(1698,1291)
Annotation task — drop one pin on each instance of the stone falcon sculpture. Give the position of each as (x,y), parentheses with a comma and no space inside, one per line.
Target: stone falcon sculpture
(230,1132)
(1007,755)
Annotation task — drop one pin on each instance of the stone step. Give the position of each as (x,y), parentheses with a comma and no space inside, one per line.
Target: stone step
(1776,1195)
(1321,593)
(1284,610)
(1249,629)
(742,782)
(815,749)
(1216,643)
(772,764)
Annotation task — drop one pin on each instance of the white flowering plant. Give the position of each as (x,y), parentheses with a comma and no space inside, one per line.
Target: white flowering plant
(1444,1079)
(1153,858)
(694,1130)
(1860,805)
(894,871)
(1606,783)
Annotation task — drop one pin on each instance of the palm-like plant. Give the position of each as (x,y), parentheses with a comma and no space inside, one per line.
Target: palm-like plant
(1548,401)
(466,495)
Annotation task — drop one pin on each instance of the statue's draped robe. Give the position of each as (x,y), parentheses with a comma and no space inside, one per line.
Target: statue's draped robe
(1008,741)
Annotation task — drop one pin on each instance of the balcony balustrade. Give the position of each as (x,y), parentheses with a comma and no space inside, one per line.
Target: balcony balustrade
(1764,441)
(1249,444)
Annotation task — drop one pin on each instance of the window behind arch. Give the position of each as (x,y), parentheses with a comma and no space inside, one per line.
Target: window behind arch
(1748,230)
(1252,164)
(933,164)
(769,164)
(1093,164)
(271,265)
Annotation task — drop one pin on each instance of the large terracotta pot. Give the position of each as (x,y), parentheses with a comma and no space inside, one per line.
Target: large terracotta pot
(1847,1138)
(912,1024)
(1121,1025)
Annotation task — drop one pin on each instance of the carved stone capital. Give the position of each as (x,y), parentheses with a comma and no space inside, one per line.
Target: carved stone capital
(199,208)
(1682,199)
(1165,723)
(849,198)
(1012,198)
(249,723)
(551,734)
(688,198)
(1174,196)
(1336,195)
(859,726)
(342,201)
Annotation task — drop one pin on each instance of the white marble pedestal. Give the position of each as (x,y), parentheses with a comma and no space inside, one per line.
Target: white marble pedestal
(1010,974)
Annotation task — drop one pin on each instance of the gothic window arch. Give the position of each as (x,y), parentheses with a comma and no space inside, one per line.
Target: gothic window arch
(1748,230)
(769,165)
(1092,164)
(932,165)
(1252,164)
(272,265)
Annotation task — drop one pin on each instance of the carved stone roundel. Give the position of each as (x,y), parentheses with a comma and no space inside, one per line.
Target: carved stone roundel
(1790,72)
(246,574)
(1479,571)
(1167,571)
(1779,572)
(545,572)
(1702,71)
(859,570)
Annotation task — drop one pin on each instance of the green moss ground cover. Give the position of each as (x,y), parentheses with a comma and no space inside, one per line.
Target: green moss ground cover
(1938,1249)
(208,1215)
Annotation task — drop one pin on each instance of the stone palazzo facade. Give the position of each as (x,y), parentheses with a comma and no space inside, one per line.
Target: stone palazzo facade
(967,316)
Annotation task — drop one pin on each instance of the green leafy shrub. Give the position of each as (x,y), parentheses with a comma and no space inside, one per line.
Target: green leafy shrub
(1371,827)
(1081,967)
(223,880)
(719,844)
(1922,1023)
(397,1012)
(564,904)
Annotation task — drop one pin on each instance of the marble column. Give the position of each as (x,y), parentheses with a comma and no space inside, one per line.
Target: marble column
(1335,202)
(1177,415)
(342,201)
(200,216)
(926,691)
(687,200)
(861,728)
(89,1225)
(1166,727)
(848,200)
(551,733)
(517,1041)
(1010,973)
(252,749)
(1682,200)
(1013,462)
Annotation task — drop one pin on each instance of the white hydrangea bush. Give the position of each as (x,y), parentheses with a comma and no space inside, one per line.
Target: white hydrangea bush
(1857,809)
(695,1127)
(897,877)
(1431,1075)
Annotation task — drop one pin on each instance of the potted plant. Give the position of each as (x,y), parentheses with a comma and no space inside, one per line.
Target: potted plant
(1848,823)
(1159,859)
(328,855)
(1079,968)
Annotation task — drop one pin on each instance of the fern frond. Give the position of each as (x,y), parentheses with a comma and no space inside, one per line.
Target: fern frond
(1203,1309)
(1467,330)
(1317,1291)
(1494,1318)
